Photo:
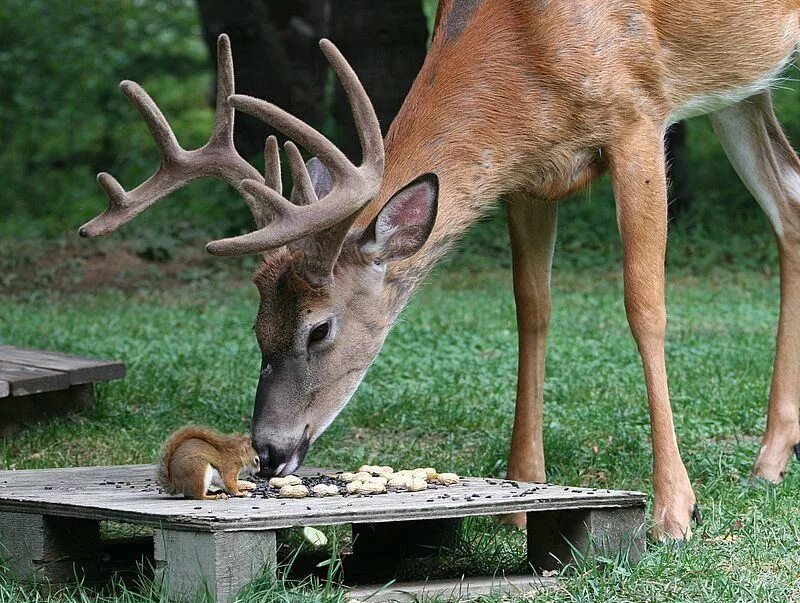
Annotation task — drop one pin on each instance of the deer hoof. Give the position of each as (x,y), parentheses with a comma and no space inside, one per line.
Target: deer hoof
(673,522)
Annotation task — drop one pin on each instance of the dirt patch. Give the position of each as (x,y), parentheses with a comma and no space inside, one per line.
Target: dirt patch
(100,272)
(74,267)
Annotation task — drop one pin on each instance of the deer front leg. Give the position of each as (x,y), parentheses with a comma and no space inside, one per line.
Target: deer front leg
(640,189)
(532,227)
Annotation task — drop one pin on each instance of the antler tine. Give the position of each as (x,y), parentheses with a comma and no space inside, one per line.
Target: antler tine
(272,165)
(122,205)
(261,208)
(224,114)
(158,125)
(302,190)
(353,187)
(297,129)
(366,121)
(218,158)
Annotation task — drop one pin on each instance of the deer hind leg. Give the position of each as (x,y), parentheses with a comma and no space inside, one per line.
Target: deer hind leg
(769,168)
(532,228)
(636,161)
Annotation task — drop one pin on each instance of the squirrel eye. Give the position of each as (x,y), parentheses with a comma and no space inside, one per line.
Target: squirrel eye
(256,461)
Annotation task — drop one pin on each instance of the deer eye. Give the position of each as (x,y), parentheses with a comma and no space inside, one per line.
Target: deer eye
(319,332)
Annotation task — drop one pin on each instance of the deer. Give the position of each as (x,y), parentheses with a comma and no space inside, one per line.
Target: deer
(524,101)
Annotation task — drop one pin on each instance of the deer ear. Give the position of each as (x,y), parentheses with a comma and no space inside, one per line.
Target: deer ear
(320,177)
(406,221)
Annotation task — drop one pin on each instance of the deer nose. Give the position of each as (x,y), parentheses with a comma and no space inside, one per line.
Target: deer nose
(282,460)
(263,459)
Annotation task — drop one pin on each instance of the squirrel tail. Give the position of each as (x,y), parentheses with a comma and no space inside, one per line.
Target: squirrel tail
(175,440)
(163,476)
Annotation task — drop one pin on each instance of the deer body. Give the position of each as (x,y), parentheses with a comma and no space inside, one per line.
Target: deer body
(526,100)
(532,100)
(528,94)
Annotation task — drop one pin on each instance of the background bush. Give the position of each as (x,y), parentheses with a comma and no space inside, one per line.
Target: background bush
(62,120)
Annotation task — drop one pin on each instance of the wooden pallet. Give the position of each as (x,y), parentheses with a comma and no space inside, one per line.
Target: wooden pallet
(222,545)
(35,384)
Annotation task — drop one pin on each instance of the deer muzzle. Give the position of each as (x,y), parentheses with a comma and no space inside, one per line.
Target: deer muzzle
(279,431)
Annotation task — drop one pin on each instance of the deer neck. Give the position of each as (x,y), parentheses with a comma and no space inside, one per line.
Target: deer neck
(467,189)
(470,123)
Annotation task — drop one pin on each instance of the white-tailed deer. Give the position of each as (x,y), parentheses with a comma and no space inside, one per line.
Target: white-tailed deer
(525,100)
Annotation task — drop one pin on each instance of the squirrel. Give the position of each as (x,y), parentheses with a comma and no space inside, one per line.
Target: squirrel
(196,457)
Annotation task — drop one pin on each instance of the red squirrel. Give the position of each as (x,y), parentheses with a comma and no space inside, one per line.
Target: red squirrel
(196,457)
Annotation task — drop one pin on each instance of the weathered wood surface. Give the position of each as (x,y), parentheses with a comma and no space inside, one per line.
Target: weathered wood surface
(37,385)
(25,380)
(129,493)
(56,548)
(220,563)
(555,536)
(462,589)
(79,370)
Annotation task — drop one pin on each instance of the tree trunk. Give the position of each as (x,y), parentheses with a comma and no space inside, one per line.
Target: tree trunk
(385,43)
(277,57)
(680,191)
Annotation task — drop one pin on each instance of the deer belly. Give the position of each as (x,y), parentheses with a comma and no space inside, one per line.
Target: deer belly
(709,102)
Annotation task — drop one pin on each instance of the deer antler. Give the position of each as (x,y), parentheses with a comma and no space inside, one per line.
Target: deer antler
(317,228)
(218,158)
(326,223)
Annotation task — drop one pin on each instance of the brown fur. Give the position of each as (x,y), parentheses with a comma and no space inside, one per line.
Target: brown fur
(526,100)
(530,100)
(190,450)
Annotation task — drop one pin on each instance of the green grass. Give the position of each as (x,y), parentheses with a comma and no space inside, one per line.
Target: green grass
(442,391)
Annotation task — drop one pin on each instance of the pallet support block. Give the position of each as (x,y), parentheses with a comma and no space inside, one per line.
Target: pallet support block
(59,549)
(554,536)
(218,564)
(20,411)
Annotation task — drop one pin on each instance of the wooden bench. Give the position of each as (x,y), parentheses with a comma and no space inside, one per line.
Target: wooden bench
(35,384)
(222,544)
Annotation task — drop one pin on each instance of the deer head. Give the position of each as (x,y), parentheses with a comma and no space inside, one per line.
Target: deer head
(324,312)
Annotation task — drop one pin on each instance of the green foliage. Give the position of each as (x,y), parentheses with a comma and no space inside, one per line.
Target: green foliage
(62,118)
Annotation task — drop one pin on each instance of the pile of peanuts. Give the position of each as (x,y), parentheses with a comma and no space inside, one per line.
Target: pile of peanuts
(369,479)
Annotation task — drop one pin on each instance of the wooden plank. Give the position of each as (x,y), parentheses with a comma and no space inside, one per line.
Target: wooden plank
(5,388)
(25,380)
(81,370)
(128,493)
(463,589)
